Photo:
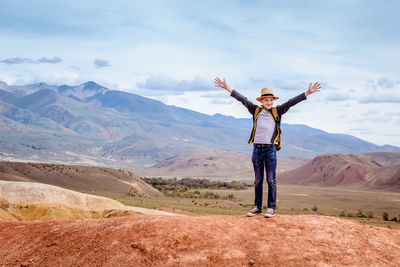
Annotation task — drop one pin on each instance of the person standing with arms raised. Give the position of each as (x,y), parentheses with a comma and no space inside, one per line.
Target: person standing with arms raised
(266,139)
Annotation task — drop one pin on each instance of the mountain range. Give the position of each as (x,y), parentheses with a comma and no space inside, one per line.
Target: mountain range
(89,124)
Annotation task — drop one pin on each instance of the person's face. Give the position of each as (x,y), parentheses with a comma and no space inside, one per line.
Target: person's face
(267,102)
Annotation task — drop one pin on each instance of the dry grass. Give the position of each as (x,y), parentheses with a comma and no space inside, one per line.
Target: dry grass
(291,200)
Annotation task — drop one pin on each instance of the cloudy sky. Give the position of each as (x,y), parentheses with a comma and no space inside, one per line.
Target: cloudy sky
(172,50)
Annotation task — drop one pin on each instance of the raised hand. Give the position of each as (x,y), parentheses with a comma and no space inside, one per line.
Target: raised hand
(313,88)
(222,83)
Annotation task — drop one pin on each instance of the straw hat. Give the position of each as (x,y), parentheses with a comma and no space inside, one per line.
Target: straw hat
(267,92)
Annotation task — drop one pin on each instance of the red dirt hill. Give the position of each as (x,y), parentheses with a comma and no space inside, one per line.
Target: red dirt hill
(343,170)
(383,158)
(385,177)
(146,240)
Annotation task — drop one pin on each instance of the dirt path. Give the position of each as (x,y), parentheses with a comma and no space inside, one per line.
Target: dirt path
(152,211)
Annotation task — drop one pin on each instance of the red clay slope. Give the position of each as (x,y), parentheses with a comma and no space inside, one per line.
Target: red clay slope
(146,240)
(331,170)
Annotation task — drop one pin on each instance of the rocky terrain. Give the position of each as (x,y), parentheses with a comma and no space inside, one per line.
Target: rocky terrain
(149,240)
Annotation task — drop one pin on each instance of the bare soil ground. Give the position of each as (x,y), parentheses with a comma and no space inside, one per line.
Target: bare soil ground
(155,240)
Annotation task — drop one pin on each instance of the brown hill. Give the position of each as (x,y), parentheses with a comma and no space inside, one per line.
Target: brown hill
(386,177)
(148,240)
(212,163)
(77,178)
(203,163)
(383,158)
(331,170)
(289,163)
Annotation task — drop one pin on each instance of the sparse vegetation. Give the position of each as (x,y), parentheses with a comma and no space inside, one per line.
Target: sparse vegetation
(385,216)
(191,183)
(314,208)
(360,214)
(184,188)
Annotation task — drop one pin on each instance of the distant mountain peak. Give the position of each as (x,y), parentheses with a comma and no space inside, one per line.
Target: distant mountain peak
(92,86)
(221,115)
(83,91)
(41,85)
(3,84)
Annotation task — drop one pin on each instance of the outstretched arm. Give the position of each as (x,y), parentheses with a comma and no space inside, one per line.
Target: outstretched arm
(282,109)
(247,103)
(222,83)
(313,88)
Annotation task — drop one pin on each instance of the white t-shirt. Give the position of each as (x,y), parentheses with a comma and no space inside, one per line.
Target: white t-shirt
(265,128)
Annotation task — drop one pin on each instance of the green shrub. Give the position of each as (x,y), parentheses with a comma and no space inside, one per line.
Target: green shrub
(385,216)
(192,183)
(230,196)
(394,219)
(342,213)
(370,214)
(350,215)
(360,214)
(314,208)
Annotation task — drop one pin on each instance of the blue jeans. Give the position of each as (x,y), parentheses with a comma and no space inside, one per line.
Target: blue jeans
(264,156)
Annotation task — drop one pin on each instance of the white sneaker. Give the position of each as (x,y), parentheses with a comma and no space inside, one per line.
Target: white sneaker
(254,212)
(270,213)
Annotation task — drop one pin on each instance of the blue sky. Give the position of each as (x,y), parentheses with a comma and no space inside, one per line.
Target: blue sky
(172,50)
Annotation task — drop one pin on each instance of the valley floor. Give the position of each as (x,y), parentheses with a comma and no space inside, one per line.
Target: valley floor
(292,199)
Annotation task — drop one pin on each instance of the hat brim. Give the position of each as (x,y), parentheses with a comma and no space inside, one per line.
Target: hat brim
(261,97)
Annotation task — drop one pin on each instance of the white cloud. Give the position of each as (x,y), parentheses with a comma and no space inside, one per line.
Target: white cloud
(381,90)
(53,60)
(221,94)
(385,82)
(19,60)
(380,98)
(222,101)
(101,63)
(381,84)
(338,97)
(289,85)
(166,83)
(53,77)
